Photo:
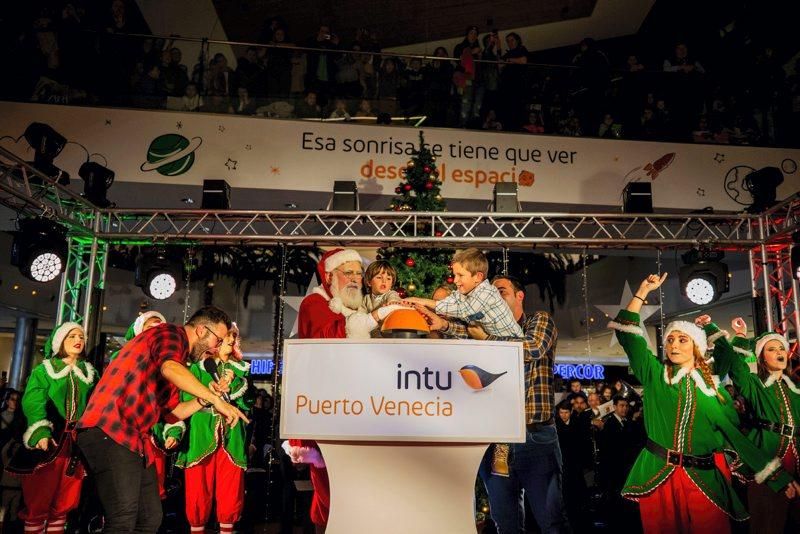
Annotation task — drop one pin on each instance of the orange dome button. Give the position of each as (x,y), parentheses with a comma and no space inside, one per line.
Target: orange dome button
(405,323)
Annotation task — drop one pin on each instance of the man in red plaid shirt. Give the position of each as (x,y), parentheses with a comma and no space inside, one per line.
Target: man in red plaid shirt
(136,390)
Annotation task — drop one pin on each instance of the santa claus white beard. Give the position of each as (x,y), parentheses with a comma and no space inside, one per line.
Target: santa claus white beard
(350,294)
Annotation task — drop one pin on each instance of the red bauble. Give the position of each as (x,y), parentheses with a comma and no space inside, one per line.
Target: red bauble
(450,279)
(407,187)
(426,169)
(410,262)
(397,190)
(428,185)
(437,233)
(402,293)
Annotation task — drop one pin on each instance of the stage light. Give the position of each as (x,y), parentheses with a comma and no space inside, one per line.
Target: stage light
(39,249)
(45,141)
(97,179)
(704,278)
(763,186)
(795,257)
(46,144)
(157,273)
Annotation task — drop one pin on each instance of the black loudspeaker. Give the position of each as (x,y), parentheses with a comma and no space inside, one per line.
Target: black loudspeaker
(216,195)
(505,197)
(345,196)
(637,197)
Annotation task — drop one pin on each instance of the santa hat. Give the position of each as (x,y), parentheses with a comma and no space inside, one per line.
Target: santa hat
(690,329)
(57,337)
(333,259)
(765,338)
(138,325)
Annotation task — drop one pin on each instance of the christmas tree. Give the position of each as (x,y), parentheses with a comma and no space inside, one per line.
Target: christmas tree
(419,271)
(420,188)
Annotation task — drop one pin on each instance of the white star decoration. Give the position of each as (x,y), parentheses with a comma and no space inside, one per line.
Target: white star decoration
(611,311)
(294,303)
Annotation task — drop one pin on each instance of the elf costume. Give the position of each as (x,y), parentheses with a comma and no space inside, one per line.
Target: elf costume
(214,456)
(678,480)
(55,398)
(158,436)
(775,403)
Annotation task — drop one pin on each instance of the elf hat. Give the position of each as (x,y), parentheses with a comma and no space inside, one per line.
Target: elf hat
(761,341)
(57,337)
(690,329)
(137,326)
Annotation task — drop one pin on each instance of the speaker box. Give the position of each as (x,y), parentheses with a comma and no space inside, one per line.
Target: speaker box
(345,196)
(637,197)
(216,195)
(505,197)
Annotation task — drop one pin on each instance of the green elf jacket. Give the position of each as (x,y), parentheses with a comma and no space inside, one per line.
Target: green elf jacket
(56,393)
(777,401)
(207,429)
(684,414)
(163,430)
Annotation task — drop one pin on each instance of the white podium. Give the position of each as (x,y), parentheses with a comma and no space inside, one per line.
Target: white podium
(402,425)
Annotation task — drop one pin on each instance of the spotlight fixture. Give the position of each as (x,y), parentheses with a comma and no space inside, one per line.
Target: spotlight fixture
(46,144)
(157,273)
(97,179)
(39,249)
(763,186)
(703,278)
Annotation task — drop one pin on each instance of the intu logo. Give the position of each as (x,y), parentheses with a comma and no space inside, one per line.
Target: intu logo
(427,379)
(478,378)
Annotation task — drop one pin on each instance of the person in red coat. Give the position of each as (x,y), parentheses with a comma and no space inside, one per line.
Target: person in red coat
(333,310)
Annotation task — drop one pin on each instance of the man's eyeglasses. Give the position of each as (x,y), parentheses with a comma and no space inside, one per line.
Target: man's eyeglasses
(219,339)
(352,274)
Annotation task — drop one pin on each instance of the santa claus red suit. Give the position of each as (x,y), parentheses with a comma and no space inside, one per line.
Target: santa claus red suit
(333,310)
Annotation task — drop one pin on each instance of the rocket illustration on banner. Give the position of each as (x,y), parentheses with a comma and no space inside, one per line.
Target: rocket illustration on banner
(658,166)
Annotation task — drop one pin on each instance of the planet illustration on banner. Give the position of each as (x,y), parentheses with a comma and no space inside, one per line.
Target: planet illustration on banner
(477,378)
(171,154)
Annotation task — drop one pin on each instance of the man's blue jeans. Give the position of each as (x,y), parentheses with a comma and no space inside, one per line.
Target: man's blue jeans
(535,467)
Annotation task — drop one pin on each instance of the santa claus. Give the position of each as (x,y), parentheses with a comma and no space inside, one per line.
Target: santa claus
(333,310)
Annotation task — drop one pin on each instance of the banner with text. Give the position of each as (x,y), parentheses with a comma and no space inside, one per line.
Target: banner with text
(186,148)
(403,390)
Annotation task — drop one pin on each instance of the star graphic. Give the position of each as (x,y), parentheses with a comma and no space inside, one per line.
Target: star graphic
(701,192)
(108,122)
(231,164)
(248,147)
(610,310)
(294,303)
(275,170)
(719,158)
(221,128)
(179,125)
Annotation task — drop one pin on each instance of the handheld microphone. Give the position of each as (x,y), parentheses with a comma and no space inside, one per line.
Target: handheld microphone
(211,368)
